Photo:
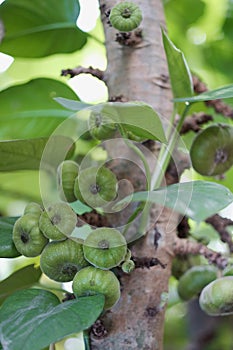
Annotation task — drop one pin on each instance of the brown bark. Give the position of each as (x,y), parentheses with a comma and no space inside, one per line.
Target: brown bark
(140,73)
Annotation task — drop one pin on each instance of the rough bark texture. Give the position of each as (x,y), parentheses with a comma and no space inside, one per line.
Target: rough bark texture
(140,73)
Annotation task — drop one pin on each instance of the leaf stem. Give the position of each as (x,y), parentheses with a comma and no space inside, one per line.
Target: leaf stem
(167,153)
(163,161)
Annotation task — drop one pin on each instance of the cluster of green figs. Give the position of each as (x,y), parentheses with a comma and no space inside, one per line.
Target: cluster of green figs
(48,232)
(90,262)
(213,287)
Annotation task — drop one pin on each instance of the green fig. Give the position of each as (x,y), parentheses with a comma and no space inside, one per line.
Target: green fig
(96,186)
(33,208)
(58,221)
(212,150)
(67,173)
(128,266)
(27,236)
(216,298)
(60,260)
(105,248)
(125,16)
(102,127)
(194,280)
(91,280)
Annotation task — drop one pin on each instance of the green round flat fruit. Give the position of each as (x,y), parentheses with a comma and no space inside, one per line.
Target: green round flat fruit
(212,150)
(125,16)
(194,280)
(91,280)
(101,126)
(60,260)
(58,222)
(105,248)
(216,298)
(27,236)
(33,208)
(96,186)
(67,173)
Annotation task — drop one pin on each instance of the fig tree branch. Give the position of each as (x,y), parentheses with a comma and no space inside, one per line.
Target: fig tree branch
(218,105)
(219,224)
(186,246)
(72,72)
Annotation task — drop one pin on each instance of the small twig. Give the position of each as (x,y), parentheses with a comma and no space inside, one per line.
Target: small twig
(185,246)
(219,223)
(146,262)
(194,122)
(218,105)
(95,72)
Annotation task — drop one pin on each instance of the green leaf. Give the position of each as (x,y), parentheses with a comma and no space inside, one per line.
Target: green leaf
(137,117)
(7,247)
(23,278)
(26,154)
(40,28)
(180,75)
(72,105)
(197,199)
(81,233)
(34,318)
(29,110)
(80,208)
(220,93)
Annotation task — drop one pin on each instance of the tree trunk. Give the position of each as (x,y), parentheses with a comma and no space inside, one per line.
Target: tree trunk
(140,73)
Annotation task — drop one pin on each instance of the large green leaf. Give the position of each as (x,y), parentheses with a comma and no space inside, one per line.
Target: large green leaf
(29,110)
(27,154)
(197,199)
(180,76)
(40,28)
(220,93)
(21,279)
(137,117)
(34,318)
(7,247)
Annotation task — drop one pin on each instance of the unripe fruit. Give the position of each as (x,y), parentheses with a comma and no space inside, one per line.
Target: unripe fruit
(128,266)
(90,281)
(212,150)
(216,298)
(228,271)
(27,237)
(58,221)
(67,173)
(181,264)
(60,260)
(105,248)
(194,280)
(96,186)
(125,16)
(101,126)
(33,208)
